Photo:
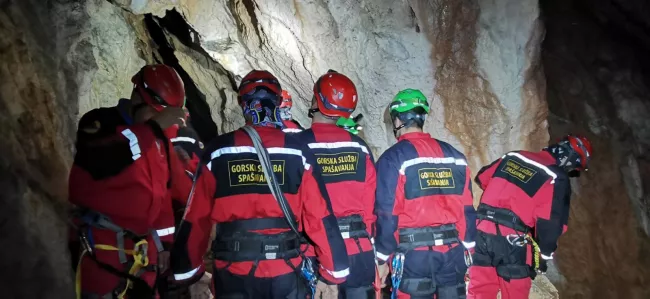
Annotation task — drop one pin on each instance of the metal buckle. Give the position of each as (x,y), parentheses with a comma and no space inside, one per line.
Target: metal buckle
(517,240)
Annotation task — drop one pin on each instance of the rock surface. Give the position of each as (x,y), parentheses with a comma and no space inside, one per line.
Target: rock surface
(596,66)
(486,88)
(55,61)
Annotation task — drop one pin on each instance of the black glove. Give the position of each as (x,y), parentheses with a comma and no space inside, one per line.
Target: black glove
(543,266)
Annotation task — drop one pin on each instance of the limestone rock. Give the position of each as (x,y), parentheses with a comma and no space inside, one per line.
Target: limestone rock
(598,86)
(214,82)
(57,61)
(436,46)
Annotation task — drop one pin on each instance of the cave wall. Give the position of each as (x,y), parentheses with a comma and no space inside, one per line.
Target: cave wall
(486,88)
(54,62)
(58,60)
(597,70)
(479,63)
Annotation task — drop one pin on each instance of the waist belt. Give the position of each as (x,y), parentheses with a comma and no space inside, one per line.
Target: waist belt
(352,227)
(410,238)
(503,217)
(235,241)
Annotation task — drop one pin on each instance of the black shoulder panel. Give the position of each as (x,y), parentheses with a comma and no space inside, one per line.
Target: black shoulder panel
(519,171)
(101,150)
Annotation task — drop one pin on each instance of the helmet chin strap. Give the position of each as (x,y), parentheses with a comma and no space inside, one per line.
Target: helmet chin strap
(403,125)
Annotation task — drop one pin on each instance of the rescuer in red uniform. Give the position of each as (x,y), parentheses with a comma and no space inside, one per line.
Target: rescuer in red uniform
(348,171)
(124,177)
(256,254)
(425,218)
(290,125)
(523,211)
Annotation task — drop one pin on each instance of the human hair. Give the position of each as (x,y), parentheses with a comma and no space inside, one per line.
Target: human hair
(412,118)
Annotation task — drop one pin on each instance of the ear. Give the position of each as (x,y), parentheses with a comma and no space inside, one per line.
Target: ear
(397,122)
(313,102)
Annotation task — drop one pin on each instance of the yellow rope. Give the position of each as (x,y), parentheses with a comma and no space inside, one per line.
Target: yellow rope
(78,275)
(140,260)
(536,251)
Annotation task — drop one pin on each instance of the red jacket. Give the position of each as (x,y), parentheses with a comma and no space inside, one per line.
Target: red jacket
(348,171)
(240,194)
(534,188)
(128,173)
(422,182)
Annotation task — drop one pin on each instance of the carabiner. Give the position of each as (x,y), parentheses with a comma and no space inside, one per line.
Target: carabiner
(307,271)
(517,240)
(398,270)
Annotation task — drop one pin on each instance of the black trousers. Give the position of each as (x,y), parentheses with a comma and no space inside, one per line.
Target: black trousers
(287,286)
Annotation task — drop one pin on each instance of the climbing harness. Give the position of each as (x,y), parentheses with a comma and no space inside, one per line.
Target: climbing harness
(411,238)
(398,270)
(140,262)
(522,241)
(506,267)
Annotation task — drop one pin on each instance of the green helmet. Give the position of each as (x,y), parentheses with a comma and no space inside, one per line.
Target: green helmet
(409,99)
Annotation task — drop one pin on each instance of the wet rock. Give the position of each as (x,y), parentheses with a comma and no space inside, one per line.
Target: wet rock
(595,60)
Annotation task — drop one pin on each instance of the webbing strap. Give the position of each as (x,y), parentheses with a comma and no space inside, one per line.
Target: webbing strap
(271,179)
(101,221)
(503,217)
(156,241)
(352,227)
(410,238)
(260,247)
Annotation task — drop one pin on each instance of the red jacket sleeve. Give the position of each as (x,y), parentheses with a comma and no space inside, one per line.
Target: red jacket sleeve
(369,216)
(320,225)
(552,214)
(467,221)
(191,242)
(485,174)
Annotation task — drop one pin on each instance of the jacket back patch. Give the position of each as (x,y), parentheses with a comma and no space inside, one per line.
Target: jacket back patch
(426,179)
(528,177)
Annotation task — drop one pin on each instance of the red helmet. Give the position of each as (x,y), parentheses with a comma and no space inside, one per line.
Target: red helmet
(256,79)
(581,146)
(286,100)
(335,94)
(160,86)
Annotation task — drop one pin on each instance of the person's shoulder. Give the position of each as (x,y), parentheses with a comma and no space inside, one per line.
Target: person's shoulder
(450,151)
(397,151)
(99,122)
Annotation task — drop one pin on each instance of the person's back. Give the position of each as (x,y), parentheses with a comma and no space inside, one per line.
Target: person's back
(524,210)
(425,217)
(436,183)
(256,253)
(521,182)
(348,173)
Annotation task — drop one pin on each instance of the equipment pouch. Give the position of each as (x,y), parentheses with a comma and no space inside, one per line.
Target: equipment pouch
(418,287)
